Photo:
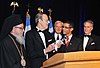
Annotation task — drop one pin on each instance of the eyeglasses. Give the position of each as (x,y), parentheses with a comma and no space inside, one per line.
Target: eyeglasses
(67,27)
(20,28)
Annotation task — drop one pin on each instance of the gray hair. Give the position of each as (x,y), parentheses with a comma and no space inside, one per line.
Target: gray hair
(89,21)
(58,22)
(37,17)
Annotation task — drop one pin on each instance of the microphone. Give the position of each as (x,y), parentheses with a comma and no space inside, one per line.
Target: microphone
(62,41)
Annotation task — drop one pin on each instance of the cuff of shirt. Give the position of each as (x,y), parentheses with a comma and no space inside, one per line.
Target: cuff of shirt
(44,51)
(45,54)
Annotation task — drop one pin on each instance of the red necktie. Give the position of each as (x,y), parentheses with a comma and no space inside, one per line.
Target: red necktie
(67,43)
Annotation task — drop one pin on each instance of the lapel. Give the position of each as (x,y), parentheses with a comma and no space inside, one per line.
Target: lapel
(90,41)
(49,39)
(38,38)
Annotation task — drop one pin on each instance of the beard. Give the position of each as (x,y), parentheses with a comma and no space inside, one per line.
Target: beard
(20,39)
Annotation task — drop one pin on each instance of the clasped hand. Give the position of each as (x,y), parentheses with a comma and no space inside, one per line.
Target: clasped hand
(54,46)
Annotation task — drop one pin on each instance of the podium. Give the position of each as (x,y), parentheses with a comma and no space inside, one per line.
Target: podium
(79,59)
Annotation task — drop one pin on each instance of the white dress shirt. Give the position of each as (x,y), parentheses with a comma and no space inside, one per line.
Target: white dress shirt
(44,42)
(57,35)
(85,42)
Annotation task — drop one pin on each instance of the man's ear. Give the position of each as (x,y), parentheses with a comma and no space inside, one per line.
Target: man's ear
(40,20)
(92,29)
(72,29)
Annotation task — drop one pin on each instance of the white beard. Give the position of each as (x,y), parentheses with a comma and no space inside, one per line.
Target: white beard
(20,39)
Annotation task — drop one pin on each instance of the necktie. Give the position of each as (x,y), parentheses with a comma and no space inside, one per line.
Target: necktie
(58,37)
(67,43)
(87,36)
(40,31)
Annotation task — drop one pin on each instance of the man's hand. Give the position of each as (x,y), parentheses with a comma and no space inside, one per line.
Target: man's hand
(50,48)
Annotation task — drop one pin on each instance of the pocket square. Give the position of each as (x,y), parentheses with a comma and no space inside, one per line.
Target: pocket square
(49,40)
(92,43)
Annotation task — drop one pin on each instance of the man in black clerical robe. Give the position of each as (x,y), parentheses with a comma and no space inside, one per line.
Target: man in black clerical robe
(11,39)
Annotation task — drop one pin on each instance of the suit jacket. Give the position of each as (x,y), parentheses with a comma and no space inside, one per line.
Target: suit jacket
(93,43)
(35,46)
(74,45)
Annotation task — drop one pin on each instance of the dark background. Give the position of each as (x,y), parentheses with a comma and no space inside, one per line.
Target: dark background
(75,10)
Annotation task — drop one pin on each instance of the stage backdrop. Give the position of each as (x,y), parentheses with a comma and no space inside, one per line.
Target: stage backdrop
(75,10)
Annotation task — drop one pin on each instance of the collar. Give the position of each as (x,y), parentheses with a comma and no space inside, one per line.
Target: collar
(56,33)
(70,37)
(88,34)
(37,28)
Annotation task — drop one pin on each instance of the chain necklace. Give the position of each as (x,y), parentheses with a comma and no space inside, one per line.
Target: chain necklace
(23,62)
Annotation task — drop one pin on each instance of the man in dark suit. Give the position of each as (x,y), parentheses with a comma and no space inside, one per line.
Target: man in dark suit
(90,41)
(39,42)
(72,43)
